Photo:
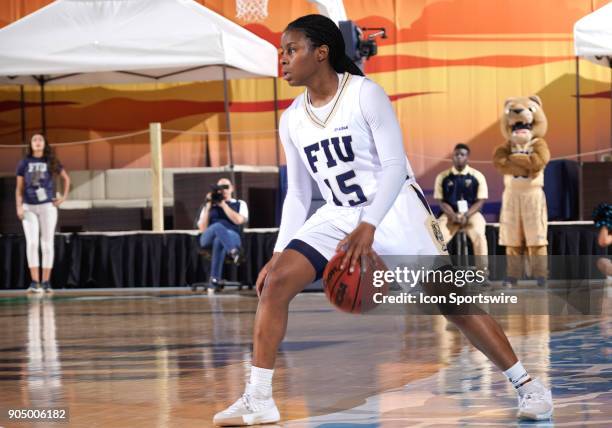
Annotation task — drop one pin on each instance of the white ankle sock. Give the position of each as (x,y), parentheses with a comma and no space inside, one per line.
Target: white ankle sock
(532,385)
(261,381)
(517,374)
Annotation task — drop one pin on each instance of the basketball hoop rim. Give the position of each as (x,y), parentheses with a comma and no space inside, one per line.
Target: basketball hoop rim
(252,10)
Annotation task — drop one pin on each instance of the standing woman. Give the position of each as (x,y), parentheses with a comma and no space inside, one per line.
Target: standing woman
(37,207)
(343,133)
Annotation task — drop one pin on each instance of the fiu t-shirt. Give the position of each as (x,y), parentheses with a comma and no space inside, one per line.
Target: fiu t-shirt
(36,175)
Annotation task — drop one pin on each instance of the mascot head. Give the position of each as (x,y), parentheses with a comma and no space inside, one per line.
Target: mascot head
(523,119)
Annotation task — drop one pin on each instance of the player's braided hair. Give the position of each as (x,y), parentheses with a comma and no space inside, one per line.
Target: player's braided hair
(321,30)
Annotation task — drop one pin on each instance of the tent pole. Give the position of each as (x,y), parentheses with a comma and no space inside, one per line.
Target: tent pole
(228,126)
(43,113)
(22,110)
(578,142)
(578,157)
(276,146)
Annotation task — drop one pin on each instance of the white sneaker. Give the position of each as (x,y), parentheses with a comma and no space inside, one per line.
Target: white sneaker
(248,410)
(534,401)
(35,288)
(46,286)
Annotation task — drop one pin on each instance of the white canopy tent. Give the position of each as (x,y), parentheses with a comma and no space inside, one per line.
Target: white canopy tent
(593,36)
(130,41)
(593,41)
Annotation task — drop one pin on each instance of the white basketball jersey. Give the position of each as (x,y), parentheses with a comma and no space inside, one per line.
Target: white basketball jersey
(339,151)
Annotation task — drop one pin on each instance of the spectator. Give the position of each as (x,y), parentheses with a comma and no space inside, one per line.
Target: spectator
(219,223)
(37,207)
(461,192)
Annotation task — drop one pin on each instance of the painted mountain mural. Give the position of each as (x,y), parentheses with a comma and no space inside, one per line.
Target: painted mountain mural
(447,65)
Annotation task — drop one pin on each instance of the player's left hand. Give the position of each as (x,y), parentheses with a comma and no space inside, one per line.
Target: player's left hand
(357,243)
(58,201)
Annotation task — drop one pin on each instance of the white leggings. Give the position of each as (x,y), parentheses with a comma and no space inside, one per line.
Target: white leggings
(39,220)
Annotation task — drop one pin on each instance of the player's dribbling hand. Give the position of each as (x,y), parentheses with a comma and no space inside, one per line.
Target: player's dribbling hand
(357,243)
(261,278)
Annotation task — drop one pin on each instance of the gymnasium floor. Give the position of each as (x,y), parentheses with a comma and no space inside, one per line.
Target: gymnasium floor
(174,360)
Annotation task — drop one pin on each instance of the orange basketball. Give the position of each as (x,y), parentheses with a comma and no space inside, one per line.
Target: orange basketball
(353,292)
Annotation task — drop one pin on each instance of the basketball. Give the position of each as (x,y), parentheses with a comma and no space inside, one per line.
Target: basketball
(352,292)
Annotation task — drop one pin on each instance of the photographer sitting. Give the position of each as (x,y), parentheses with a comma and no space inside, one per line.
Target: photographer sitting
(219,224)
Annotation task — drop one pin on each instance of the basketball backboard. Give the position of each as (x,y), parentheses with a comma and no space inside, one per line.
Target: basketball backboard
(333,9)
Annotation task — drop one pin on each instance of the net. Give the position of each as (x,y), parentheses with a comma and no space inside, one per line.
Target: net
(252,10)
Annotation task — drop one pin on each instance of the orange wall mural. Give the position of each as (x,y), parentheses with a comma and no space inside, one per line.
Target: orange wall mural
(447,65)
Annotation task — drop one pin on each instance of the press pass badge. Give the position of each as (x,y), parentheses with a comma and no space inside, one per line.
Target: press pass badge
(41,194)
(462,206)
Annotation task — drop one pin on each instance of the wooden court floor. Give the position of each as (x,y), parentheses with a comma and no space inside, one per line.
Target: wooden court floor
(175,360)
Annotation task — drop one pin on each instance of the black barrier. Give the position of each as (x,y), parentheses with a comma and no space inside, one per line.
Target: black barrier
(129,260)
(171,258)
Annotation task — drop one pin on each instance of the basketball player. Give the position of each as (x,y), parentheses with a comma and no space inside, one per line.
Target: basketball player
(342,132)
(37,207)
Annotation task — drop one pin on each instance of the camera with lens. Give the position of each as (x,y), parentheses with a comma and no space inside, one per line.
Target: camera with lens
(359,46)
(216,192)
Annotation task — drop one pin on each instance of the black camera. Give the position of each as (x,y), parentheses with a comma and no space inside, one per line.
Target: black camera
(358,45)
(216,194)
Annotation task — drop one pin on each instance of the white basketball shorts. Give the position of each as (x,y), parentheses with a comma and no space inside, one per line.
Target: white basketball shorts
(409,228)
